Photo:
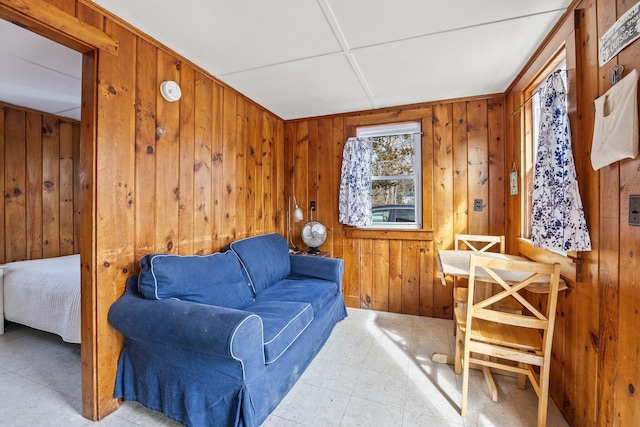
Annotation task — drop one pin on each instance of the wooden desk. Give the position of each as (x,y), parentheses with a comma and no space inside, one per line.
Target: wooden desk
(456,263)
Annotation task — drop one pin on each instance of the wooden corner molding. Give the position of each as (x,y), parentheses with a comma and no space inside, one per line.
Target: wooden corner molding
(49,21)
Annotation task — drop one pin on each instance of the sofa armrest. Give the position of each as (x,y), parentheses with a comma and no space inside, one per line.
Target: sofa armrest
(318,267)
(217,331)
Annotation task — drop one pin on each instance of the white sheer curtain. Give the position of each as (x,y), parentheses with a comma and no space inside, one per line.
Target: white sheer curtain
(557,220)
(355,182)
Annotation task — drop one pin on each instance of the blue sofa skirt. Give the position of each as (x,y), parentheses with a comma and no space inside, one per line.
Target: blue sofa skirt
(197,389)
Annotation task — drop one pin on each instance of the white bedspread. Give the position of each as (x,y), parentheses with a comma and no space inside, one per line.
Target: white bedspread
(45,294)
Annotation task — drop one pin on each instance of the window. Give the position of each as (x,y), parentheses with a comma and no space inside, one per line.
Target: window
(395,177)
(531,116)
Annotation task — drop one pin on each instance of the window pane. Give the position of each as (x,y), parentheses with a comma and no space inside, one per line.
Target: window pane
(393,155)
(393,192)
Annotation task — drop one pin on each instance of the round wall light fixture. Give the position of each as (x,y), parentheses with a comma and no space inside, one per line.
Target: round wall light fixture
(170,90)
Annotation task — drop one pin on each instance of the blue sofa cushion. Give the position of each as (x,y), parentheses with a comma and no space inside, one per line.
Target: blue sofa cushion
(313,291)
(265,259)
(214,279)
(282,322)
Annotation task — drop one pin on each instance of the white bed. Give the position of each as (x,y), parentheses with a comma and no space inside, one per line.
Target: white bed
(43,294)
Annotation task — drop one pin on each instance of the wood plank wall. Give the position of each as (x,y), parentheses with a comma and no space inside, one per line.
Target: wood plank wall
(462,160)
(41,211)
(595,374)
(185,177)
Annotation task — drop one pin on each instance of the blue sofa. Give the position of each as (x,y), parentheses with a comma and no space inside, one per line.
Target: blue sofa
(220,339)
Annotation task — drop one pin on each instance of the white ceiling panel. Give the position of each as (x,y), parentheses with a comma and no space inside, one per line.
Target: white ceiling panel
(312,87)
(39,74)
(475,61)
(372,22)
(226,36)
(301,58)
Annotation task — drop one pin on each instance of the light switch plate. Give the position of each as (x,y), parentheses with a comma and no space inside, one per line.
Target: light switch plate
(634,209)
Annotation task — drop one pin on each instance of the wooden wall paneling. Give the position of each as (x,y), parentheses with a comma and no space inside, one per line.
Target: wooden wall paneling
(5,194)
(313,187)
(627,383)
(443,198)
(77,204)
(580,348)
(229,147)
(66,189)
(34,185)
(147,87)
(186,164)
(15,186)
(426,274)
(498,177)
(627,386)
(395,276)
(427,169)
(217,165)
(367,286)
(380,277)
(337,142)
(410,277)
(290,131)
(461,196)
(167,159)
(478,170)
(300,178)
(269,197)
(352,273)
(276,175)
(255,222)
(51,186)
(115,155)
(203,182)
(240,223)
(326,193)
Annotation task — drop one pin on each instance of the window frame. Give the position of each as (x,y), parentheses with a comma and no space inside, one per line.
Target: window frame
(413,128)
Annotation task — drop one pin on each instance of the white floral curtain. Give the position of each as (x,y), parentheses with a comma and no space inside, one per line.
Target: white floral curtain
(355,182)
(557,221)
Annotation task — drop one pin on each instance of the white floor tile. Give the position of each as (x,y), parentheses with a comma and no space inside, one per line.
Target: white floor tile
(375,370)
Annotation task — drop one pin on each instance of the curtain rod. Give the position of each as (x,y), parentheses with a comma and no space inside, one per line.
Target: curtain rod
(534,93)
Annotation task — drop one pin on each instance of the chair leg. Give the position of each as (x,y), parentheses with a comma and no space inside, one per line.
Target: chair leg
(465,383)
(543,398)
(459,350)
(521,378)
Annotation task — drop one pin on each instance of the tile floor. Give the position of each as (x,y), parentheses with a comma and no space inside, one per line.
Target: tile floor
(375,370)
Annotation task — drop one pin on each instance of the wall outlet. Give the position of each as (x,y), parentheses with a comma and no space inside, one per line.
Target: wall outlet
(312,206)
(634,209)
(477,205)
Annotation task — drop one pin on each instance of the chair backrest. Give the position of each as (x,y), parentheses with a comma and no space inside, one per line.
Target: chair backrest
(478,242)
(520,274)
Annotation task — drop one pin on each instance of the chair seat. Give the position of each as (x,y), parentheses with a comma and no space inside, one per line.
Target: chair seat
(499,334)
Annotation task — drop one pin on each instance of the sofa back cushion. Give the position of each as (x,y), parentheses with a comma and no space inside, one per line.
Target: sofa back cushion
(214,279)
(265,259)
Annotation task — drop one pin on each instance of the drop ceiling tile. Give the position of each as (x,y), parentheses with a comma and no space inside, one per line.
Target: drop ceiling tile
(36,50)
(475,61)
(312,87)
(231,36)
(37,88)
(371,22)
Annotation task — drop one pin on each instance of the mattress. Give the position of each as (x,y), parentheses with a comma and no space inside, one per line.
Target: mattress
(44,294)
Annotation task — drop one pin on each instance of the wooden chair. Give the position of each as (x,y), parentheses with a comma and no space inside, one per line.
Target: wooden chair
(505,340)
(476,243)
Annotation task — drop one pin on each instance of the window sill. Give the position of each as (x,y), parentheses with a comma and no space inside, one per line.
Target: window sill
(388,234)
(570,264)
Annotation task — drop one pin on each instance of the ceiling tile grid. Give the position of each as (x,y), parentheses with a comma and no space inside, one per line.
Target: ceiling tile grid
(308,58)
